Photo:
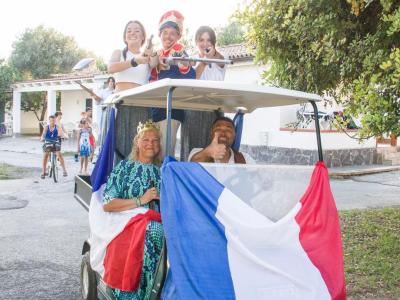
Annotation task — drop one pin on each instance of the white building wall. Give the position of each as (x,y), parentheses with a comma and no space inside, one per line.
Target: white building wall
(245,72)
(29,123)
(72,104)
(261,121)
(288,115)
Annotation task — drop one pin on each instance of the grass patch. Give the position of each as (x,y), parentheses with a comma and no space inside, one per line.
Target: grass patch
(371,239)
(10,172)
(68,153)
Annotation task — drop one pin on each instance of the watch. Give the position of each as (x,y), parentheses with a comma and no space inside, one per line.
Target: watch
(133,62)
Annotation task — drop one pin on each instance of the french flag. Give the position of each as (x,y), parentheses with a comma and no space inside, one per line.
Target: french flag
(220,247)
(120,267)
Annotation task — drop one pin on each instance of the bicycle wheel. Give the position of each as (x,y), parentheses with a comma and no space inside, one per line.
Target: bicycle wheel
(54,167)
(48,168)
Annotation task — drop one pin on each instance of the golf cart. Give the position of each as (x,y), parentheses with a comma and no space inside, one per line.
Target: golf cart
(202,96)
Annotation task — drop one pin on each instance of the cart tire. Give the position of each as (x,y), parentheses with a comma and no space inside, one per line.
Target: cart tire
(88,286)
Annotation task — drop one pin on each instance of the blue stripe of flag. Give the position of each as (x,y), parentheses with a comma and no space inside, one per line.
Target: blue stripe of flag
(196,242)
(104,164)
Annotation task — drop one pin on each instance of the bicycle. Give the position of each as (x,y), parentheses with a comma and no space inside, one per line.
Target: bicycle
(52,166)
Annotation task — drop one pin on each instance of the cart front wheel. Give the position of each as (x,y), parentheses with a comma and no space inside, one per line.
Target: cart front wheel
(88,279)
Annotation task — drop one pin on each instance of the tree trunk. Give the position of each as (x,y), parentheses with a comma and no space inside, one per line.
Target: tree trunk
(43,113)
(2,111)
(393,140)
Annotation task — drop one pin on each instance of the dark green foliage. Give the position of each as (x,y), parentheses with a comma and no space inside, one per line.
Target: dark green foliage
(348,50)
(7,76)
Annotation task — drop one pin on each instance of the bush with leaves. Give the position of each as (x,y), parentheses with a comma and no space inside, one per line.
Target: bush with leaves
(347,50)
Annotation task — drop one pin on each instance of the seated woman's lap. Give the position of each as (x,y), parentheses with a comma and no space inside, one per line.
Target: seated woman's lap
(155,234)
(152,251)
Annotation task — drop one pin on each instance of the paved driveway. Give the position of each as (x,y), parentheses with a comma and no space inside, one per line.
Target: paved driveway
(40,242)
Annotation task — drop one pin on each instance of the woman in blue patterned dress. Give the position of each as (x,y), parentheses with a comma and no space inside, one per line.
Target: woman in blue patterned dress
(134,183)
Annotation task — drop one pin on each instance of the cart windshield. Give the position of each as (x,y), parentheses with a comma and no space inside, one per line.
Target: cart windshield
(272,190)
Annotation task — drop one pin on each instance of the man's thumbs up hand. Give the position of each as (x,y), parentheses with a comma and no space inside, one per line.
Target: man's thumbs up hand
(215,139)
(216,150)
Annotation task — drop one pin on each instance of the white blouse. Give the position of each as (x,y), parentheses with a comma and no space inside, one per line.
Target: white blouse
(139,74)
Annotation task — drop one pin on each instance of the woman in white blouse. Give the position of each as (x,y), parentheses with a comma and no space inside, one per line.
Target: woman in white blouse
(197,126)
(130,66)
(205,41)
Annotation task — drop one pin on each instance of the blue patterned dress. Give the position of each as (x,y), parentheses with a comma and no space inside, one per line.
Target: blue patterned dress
(84,143)
(130,179)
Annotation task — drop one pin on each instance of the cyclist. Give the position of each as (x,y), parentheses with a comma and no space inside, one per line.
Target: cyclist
(50,136)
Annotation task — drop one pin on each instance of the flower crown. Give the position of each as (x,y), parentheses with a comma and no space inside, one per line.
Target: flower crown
(148,125)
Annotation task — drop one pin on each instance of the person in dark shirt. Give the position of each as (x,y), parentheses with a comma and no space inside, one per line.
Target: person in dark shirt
(170,32)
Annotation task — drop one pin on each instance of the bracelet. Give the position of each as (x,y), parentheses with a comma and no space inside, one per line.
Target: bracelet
(137,202)
(133,62)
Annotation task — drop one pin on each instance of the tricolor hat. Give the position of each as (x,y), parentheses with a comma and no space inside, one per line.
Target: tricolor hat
(172,19)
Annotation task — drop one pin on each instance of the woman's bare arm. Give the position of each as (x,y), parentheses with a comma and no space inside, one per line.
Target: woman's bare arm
(117,205)
(153,61)
(79,138)
(200,69)
(115,65)
(90,91)
(60,131)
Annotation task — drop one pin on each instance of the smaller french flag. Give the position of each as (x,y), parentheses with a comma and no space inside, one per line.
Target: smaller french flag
(108,230)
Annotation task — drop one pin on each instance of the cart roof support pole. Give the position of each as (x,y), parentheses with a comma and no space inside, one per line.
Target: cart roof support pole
(168,151)
(317,131)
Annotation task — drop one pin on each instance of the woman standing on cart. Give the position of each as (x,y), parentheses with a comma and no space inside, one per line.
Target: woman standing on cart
(131,68)
(132,184)
(196,129)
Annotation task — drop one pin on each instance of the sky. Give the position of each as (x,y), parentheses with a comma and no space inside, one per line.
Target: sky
(98,25)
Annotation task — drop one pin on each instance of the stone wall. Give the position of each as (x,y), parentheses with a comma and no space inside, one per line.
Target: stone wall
(294,156)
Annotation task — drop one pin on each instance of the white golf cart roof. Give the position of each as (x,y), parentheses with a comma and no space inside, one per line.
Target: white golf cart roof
(208,95)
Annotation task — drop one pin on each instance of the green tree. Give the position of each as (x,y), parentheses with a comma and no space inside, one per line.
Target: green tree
(233,33)
(100,64)
(37,54)
(348,50)
(7,77)
(41,51)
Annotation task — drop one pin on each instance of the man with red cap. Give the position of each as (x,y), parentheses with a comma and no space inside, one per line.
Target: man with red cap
(170,32)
